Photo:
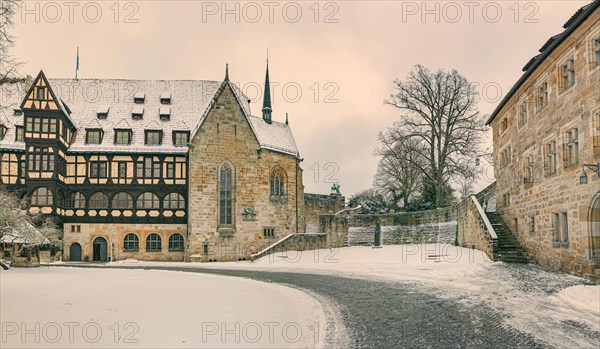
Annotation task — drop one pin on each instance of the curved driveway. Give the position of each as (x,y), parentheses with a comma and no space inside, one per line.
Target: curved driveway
(394,315)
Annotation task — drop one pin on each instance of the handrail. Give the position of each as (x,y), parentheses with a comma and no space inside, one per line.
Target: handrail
(272,245)
(485,219)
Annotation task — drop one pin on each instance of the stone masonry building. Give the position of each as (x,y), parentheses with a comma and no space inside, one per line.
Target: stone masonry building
(546,134)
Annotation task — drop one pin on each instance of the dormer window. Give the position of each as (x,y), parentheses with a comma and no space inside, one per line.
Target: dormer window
(153,137)
(181,138)
(20,134)
(102,111)
(93,136)
(123,136)
(165,113)
(18,112)
(137,112)
(2,131)
(165,98)
(139,98)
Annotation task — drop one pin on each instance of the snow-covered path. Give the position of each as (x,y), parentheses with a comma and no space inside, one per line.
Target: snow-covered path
(556,308)
(75,307)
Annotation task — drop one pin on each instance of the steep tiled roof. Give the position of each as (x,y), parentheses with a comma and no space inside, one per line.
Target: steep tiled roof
(190,103)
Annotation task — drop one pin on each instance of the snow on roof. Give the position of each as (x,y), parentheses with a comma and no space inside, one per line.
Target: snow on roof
(192,101)
(30,236)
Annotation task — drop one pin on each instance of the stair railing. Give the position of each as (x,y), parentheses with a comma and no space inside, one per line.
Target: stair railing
(272,246)
(489,235)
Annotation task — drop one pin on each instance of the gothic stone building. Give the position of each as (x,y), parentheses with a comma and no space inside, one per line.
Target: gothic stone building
(152,170)
(544,131)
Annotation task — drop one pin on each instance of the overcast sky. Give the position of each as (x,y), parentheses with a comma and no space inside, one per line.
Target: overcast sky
(332,63)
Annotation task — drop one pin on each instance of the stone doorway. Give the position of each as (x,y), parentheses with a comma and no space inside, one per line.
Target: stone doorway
(100,250)
(75,252)
(595,229)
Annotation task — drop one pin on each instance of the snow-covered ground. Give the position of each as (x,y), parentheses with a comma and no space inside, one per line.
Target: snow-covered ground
(547,304)
(75,307)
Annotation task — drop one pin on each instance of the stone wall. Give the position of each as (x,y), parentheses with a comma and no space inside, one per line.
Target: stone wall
(433,226)
(528,203)
(114,234)
(318,204)
(472,232)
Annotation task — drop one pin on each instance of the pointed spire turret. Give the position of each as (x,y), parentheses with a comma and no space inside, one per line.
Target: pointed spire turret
(267,110)
(226,71)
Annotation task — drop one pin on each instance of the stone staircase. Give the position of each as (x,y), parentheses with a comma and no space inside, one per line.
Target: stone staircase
(509,249)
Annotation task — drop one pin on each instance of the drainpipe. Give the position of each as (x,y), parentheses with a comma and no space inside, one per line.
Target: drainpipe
(186,254)
(297,166)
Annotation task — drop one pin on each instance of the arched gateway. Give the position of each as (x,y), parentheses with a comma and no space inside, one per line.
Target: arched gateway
(100,250)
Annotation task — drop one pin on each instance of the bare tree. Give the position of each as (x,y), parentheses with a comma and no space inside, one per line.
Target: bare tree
(25,231)
(8,64)
(398,177)
(465,187)
(441,115)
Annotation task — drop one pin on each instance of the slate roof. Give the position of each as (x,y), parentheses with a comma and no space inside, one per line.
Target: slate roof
(549,46)
(190,102)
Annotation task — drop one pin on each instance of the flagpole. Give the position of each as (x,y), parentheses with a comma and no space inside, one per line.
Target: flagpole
(77,64)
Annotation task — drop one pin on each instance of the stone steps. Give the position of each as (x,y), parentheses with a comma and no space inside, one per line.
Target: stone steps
(508,250)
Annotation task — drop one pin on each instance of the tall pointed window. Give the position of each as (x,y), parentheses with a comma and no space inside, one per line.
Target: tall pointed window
(277,183)
(225,195)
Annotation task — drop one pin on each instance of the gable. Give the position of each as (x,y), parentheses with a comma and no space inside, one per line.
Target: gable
(40,95)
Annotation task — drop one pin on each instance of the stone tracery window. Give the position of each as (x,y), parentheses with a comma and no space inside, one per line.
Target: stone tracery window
(277,183)
(226,195)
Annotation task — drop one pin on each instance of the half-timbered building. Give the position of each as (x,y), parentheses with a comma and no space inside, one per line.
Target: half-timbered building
(152,169)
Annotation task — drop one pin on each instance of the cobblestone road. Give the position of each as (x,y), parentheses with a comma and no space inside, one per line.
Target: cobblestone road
(379,314)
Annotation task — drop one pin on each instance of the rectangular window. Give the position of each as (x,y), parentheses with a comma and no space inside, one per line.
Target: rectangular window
(93,136)
(153,138)
(181,138)
(41,93)
(596,49)
(522,114)
(505,156)
(41,160)
(171,170)
(122,170)
(550,158)
(503,125)
(571,147)
(542,95)
(98,169)
(596,133)
(567,71)
(529,169)
(532,225)
(268,233)
(506,199)
(20,135)
(560,227)
(122,137)
(148,168)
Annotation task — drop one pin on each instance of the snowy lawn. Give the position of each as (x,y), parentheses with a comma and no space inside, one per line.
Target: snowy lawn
(75,307)
(561,309)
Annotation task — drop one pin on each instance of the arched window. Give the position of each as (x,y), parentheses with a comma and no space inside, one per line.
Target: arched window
(42,197)
(153,243)
(277,183)
(148,201)
(225,195)
(98,200)
(131,243)
(75,200)
(176,242)
(174,201)
(122,200)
